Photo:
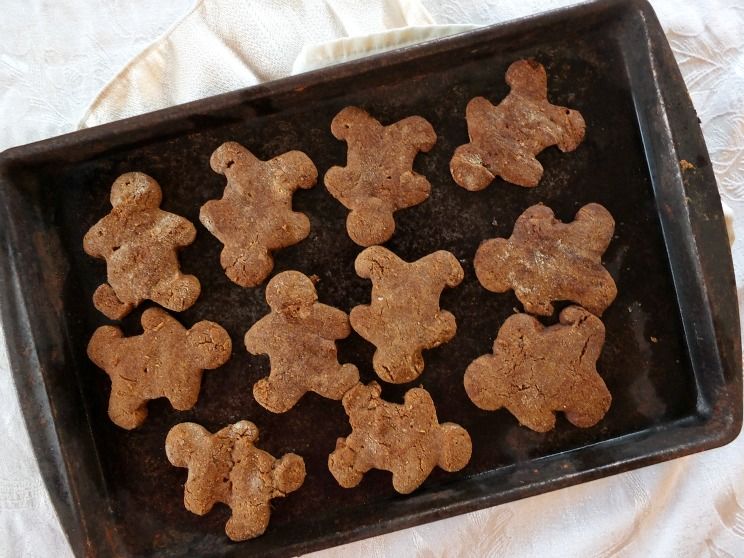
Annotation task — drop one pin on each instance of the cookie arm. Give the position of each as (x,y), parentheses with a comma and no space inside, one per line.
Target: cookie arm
(183,232)
(331,322)
(416,131)
(255,337)
(296,170)
(102,345)
(447,267)
(98,241)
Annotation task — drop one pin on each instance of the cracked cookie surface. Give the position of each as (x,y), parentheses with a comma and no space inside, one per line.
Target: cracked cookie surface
(299,335)
(404,316)
(505,139)
(139,242)
(227,467)
(545,260)
(378,178)
(254,217)
(406,439)
(166,360)
(535,371)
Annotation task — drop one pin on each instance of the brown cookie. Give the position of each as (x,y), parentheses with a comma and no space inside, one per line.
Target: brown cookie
(378,178)
(406,439)
(166,360)
(404,317)
(299,336)
(254,216)
(545,260)
(536,370)
(139,241)
(226,467)
(505,139)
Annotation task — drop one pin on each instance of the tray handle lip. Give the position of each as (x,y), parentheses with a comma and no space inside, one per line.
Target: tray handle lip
(709,286)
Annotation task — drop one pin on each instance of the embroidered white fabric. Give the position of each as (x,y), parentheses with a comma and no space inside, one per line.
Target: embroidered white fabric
(55,57)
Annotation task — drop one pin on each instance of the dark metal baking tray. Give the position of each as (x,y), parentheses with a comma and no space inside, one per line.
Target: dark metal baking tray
(672,358)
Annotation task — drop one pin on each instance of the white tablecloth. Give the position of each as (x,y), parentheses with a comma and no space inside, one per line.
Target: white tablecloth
(56,56)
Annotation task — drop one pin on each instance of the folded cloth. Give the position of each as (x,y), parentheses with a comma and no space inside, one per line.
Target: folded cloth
(223,45)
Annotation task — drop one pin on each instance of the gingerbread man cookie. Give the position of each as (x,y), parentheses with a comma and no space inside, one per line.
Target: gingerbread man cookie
(404,317)
(505,139)
(166,360)
(545,260)
(139,242)
(254,216)
(299,336)
(535,371)
(378,178)
(406,439)
(227,467)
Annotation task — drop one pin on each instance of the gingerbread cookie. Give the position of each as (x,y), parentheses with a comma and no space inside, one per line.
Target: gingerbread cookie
(167,360)
(535,371)
(378,178)
(254,216)
(299,336)
(505,139)
(226,467)
(404,317)
(406,439)
(139,241)
(545,260)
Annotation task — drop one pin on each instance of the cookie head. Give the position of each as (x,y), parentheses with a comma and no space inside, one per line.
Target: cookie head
(351,120)
(291,293)
(183,441)
(371,222)
(528,77)
(137,189)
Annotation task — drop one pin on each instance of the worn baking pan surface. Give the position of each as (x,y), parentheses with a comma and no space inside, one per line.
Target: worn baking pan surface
(671,359)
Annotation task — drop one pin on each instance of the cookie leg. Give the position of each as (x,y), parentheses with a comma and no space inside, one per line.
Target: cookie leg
(342,464)
(247,267)
(335,384)
(533,417)
(409,471)
(455,447)
(248,520)
(178,293)
(184,394)
(275,395)
(397,366)
(371,222)
(520,168)
(469,170)
(589,409)
(108,304)
(126,411)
